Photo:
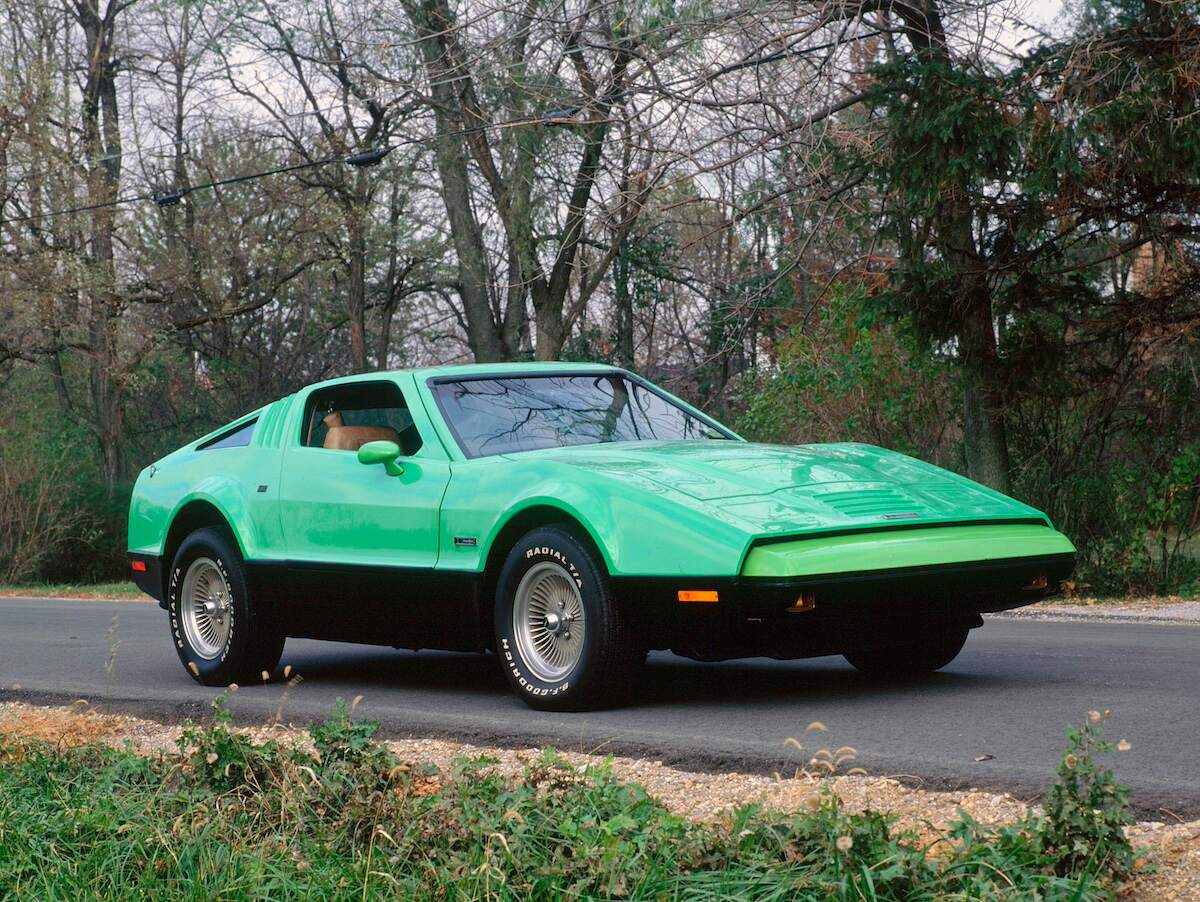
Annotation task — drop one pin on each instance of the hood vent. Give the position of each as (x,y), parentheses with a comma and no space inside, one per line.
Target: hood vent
(886,503)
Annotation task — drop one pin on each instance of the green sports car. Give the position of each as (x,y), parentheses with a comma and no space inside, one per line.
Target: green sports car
(568,518)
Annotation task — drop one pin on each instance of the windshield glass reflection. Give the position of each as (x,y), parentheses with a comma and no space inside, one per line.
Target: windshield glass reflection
(498,416)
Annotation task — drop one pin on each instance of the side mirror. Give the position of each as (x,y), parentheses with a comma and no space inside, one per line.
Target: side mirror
(381,453)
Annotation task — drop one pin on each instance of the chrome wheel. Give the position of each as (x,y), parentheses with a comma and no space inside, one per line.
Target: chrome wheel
(206,608)
(548,621)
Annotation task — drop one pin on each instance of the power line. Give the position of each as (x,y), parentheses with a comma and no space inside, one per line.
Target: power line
(376,155)
(365,158)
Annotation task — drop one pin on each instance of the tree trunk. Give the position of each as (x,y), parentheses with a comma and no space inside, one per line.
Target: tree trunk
(623,307)
(548,315)
(434,21)
(984,435)
(356,300)
(102,144)
(391,297)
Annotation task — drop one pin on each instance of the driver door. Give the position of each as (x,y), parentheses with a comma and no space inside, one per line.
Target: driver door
(337,512)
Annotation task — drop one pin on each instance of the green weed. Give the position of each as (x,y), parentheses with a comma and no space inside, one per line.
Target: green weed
(226,817)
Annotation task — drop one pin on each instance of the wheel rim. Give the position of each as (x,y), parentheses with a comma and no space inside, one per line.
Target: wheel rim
(548,621)
(206,608)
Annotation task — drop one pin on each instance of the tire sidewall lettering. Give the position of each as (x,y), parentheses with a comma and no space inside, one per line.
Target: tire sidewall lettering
(551,553)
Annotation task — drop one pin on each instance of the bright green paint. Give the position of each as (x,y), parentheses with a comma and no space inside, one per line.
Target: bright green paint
(652,508)
(903,548)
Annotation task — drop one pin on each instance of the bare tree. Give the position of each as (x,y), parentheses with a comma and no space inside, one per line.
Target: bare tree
(568,75)
(331,78)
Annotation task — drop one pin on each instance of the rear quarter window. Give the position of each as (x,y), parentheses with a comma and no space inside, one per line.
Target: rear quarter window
(238,437)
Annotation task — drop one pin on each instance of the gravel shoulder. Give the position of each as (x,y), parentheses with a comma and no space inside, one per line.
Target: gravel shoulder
(1164,609)
(1172,849)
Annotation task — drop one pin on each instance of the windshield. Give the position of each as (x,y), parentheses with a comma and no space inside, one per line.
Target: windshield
(502,415)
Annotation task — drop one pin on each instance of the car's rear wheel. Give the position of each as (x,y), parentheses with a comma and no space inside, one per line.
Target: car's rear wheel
(913,652)
(564,642)
(221,634)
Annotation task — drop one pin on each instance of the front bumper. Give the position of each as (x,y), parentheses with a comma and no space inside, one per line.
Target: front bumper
(973,586)
(804,616)
(965,586)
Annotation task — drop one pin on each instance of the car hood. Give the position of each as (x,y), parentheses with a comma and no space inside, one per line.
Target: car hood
(780,488)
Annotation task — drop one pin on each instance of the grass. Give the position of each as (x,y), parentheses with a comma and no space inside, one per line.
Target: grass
(121,590)
(226,817)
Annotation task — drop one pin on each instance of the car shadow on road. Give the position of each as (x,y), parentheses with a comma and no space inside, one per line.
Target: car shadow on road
(374,667)
(667,680)
(674,681)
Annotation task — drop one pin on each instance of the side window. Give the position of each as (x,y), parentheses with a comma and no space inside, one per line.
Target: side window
(234,438)
(344,417)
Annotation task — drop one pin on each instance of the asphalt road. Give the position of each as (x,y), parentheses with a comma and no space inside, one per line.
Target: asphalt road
(1010,694)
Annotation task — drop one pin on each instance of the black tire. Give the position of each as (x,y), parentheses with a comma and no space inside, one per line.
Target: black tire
(609,657)
(253,642)
(915,653)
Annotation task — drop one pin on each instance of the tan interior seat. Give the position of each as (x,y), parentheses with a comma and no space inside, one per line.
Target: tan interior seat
(350,438)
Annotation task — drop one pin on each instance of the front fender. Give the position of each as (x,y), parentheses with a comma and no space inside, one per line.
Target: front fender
(641,528)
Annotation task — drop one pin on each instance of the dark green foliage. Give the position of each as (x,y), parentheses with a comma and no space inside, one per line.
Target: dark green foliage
(1054,170)
(95,551)
(1043,214)
(257,822)
(853,376)
(57,518)
(1108,447)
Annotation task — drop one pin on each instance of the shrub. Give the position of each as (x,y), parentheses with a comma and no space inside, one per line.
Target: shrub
(1087,810)
(1113,459)
(343,739)
(35,521)
(218,758)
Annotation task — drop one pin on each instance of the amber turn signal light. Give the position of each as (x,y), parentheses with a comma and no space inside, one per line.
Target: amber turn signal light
(689,595)
(806,602)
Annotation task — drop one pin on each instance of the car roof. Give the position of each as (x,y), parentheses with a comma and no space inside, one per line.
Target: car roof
(475,370)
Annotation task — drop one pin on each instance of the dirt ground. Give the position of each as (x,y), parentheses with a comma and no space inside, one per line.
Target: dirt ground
(1171,850)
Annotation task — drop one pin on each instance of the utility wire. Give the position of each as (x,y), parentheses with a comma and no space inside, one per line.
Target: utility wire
(376,155)
(365,158)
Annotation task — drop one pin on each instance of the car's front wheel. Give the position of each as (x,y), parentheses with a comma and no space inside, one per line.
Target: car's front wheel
(564,642)
(221,634)
(913,652)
